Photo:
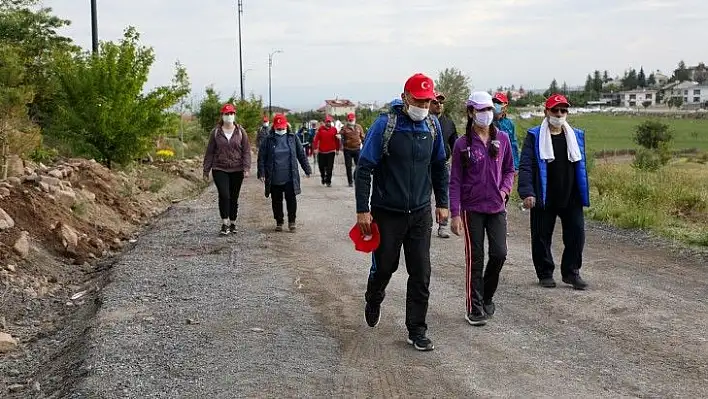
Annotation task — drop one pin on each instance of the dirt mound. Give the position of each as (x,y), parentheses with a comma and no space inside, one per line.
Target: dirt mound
(60,226)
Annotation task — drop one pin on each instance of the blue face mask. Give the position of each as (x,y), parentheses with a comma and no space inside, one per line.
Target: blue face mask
(497,109)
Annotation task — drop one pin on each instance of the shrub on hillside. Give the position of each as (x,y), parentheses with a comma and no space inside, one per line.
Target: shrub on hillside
(652,134)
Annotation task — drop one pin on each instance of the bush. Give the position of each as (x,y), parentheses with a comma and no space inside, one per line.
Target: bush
(652,134)
(647,160)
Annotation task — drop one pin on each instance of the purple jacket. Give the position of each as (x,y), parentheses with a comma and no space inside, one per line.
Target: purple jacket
(477,186)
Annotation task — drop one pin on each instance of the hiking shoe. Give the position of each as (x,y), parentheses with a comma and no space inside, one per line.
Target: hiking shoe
(329,184)
(577,282)
(224,230)
(476,320)
(443,232)
(547,283)
(232,228)
(372,313)
(421,343)
(279,227)
(351,184)
(489,308)
(292,226)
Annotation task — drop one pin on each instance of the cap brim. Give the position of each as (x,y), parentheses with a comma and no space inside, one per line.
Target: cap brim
(423,95)
(553,105)
(440,97)
(480,106)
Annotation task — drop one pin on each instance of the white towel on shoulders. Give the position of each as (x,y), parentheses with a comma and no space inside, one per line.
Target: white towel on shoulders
(546,144)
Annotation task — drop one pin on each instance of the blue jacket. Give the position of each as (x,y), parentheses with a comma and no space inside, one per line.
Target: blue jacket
(266,160)
(533,171)
(404,179)
(507,125)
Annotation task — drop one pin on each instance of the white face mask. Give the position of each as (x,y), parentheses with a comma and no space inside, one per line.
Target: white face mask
(280,132)
(417,113)
(265,124)
(556,121)
(229,118)
(483,118)
(351,123)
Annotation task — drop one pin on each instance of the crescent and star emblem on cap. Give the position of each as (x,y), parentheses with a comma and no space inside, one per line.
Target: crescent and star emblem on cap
(425,85)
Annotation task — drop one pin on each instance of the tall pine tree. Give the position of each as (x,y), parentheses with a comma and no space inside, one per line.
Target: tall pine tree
(641,78)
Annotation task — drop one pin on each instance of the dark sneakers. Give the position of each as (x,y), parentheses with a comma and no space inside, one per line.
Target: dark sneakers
(489,308)
(547,282)
(421,343)
(577,282)
(279,227)
(372,314)
(292,226)
(232,228)
(224,230)
(476,320)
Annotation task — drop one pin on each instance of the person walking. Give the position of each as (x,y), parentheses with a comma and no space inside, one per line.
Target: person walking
(352,138)
(228,158)
(503,123)
(278,160)
(262,131)
(449,131)
(326,146)
(553,183)
(405,153)
(481,180)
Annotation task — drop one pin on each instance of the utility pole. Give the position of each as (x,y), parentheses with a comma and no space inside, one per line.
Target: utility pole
(270,80)
(240,53)
(94,27)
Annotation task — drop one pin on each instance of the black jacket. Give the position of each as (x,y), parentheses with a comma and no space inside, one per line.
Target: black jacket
(449,134)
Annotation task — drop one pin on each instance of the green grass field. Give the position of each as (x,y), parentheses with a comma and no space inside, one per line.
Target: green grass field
(607,132)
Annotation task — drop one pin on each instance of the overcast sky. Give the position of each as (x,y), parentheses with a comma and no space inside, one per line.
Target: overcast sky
(364,50)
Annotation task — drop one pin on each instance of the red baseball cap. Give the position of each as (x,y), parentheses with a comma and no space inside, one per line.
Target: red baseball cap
(439,96)
(555,100)
(420,87)
(280,121)
(228,109)
(328,118)
(502,98)
(363,243)
(265,118)
(351,116)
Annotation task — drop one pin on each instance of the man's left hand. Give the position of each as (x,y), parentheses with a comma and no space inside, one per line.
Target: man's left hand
(246,173)
(441,214)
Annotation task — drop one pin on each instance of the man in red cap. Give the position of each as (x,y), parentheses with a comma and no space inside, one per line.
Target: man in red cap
(449,131)
(263,131)
(326,146)
(352,137)
(506,125)
(404,150)
(553,182)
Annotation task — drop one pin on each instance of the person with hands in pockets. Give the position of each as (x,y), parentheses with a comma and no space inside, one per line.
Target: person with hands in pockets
(405,153)
(481,179)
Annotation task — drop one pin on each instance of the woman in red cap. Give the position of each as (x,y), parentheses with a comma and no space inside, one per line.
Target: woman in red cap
(326,146)
(228,158)
(278,160)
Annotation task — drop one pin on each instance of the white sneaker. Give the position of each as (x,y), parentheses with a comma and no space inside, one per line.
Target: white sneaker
(443,232)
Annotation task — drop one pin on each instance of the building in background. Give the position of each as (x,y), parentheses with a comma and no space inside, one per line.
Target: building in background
(637,98)
(338,107)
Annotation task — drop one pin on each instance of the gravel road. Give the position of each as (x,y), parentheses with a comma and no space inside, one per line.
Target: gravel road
(189,314)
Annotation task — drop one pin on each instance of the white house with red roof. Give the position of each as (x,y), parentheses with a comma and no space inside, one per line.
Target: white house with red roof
(338,107)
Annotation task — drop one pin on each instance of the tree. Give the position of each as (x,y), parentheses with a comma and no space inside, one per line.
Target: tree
(14,97)
(652,134)
(597,82)
(681,74)
(605,77)
(641,78)
(456,87)
(700,74)
(102,109)
(564,88)
(651,81)
(589,88)
(646,104)
(249,114)
(552,89)
(630,80)
(33,32)
(675,102)
(209,110)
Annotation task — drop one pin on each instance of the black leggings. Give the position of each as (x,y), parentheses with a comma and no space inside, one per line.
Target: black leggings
(229,186)
(326,163)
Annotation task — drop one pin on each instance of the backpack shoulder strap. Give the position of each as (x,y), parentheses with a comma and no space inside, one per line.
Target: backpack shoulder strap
(431,127)
(388,132)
